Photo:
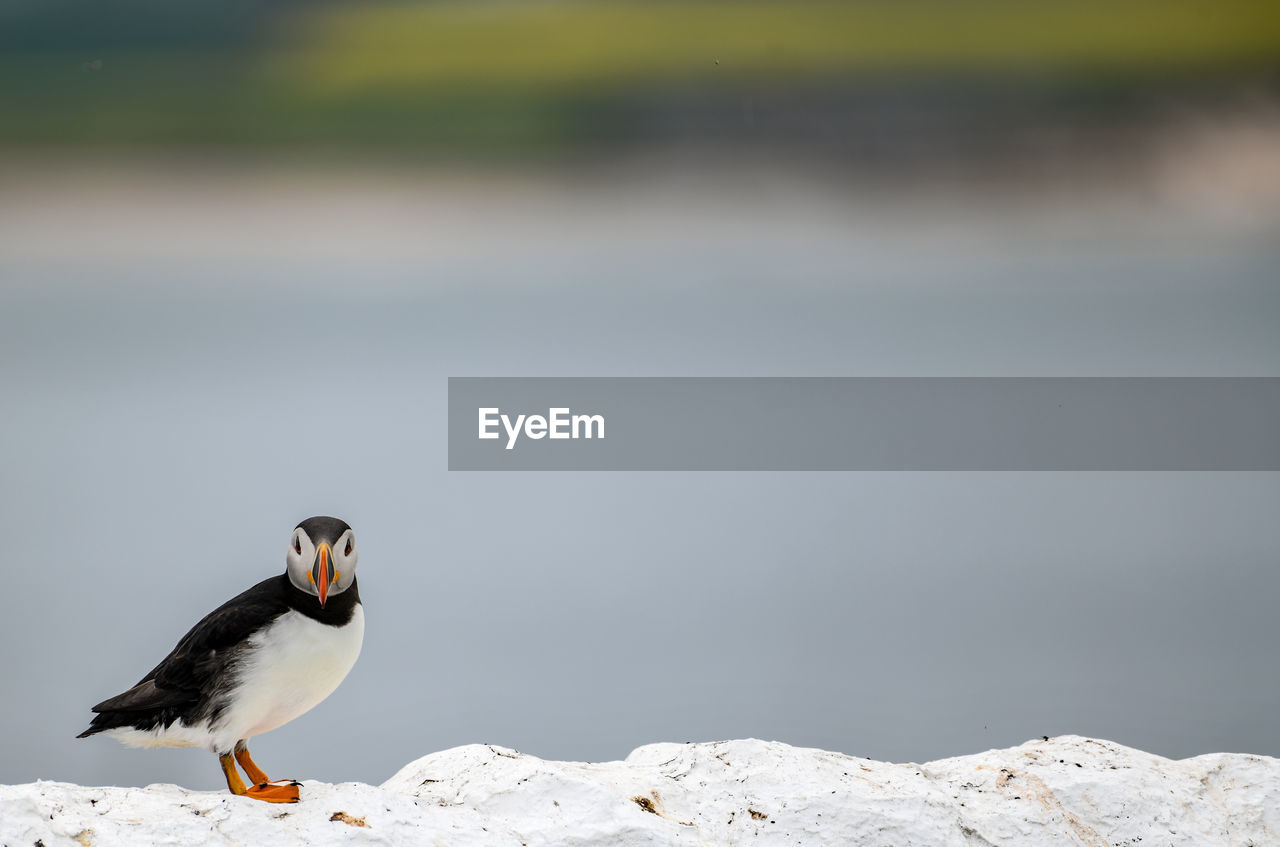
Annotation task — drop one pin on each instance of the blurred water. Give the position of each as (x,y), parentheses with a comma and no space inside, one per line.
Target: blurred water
(191,362)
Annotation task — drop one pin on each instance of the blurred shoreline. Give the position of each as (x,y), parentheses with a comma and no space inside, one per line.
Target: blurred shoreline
(1216,150)
(1212,179)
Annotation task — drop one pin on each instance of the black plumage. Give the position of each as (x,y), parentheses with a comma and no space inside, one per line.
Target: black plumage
(193,682)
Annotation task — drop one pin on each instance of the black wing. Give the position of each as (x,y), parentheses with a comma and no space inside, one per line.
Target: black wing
(178,685)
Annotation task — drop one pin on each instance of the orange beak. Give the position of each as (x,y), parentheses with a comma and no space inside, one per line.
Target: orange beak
(322,571)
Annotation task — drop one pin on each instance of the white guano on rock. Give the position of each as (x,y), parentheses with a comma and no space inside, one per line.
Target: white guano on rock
(1065,791)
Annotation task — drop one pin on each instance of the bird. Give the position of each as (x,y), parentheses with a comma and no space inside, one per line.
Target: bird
(253,664)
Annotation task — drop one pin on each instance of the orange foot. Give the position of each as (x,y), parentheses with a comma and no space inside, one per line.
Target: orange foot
(272,793)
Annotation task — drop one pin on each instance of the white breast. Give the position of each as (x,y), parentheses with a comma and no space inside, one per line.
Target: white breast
(290,666)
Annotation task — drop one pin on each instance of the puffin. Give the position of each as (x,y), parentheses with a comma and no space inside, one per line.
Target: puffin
(255,663)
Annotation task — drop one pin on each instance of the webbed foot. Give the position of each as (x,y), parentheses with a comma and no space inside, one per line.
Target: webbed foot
(280,791)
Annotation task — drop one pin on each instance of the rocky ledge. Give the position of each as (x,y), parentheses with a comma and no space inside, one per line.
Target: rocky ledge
(1063,791)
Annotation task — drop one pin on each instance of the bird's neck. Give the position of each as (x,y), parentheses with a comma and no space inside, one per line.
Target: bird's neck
(337,611)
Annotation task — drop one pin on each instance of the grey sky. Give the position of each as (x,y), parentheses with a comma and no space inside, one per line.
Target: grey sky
(190,367)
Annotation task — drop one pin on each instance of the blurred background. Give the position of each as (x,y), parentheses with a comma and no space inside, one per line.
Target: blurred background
(243,245)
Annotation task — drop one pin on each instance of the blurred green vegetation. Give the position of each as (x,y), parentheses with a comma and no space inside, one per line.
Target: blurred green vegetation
(539,74)
(597,45)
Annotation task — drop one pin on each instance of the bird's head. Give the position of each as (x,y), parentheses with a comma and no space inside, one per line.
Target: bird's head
(322,557)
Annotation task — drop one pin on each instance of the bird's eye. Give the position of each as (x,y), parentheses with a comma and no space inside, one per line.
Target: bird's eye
(347,552)
(297,545)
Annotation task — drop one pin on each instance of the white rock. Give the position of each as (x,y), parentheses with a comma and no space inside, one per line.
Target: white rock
(1067,791)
